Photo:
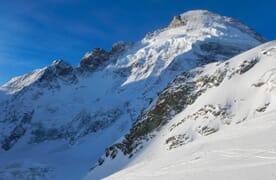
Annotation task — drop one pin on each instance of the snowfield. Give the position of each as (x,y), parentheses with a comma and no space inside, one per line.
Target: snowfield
(206,141)
(171,106)
(245,151)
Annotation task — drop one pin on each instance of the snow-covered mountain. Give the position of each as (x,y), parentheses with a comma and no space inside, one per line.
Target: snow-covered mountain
(226,131)
(57,121)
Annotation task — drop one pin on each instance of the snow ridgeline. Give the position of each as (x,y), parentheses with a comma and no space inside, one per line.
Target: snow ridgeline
(56,117)
(226,131)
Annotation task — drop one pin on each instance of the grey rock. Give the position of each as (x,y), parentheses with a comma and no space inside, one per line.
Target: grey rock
(99,57)
(119,47)
(92,60)
(17,132)
(177,21)
(59,69)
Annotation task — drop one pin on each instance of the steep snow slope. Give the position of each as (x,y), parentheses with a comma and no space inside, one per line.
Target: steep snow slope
(56,117)
(227,132)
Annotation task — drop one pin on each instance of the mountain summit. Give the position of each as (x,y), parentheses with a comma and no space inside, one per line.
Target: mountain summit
(57,121)
(200,19)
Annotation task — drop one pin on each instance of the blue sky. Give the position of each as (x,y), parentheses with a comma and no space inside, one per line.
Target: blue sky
(33,33)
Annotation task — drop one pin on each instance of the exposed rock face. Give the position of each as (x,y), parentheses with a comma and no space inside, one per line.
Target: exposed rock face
(98,57)
(177,21)
(62,68)
(179,140)
(120,47)
(17,132)
(92,60)
(182,92)
(59,69)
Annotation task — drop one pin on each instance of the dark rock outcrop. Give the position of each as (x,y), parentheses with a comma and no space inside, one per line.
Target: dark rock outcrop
(177,21)
(17,132)
(92,60)
(99,57)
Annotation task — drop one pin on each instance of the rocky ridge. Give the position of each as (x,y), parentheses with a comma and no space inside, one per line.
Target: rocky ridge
(114,92)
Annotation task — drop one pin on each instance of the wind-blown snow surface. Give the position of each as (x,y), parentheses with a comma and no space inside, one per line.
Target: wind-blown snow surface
(56,121)
(227,133)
